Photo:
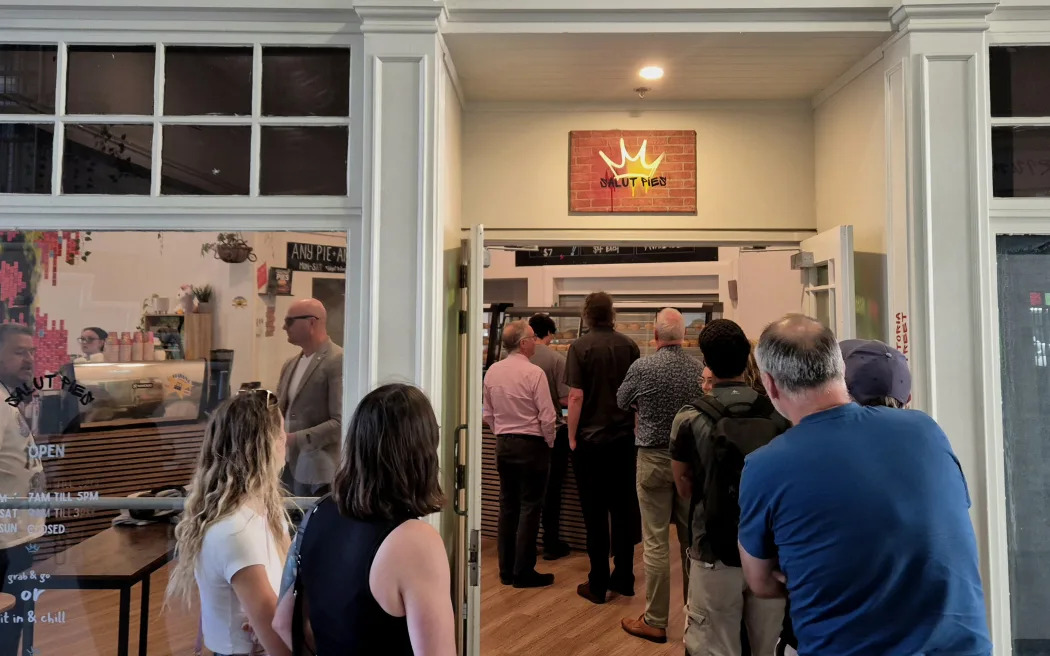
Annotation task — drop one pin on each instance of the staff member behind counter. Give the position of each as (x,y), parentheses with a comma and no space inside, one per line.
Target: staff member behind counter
(92,344)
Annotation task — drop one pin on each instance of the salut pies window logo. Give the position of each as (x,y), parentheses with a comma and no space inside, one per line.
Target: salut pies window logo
(633,172)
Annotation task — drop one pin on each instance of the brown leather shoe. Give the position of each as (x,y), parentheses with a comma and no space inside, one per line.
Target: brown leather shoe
(639,629)
(584,590)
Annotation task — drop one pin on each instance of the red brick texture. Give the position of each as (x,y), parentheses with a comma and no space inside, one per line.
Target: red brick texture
(672,192)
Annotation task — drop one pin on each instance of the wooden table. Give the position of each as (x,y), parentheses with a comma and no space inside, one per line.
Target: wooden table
(115,559)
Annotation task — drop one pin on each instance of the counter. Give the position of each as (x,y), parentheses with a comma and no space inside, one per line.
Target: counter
(111,463)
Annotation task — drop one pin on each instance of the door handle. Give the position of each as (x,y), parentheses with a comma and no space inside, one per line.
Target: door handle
(459,483)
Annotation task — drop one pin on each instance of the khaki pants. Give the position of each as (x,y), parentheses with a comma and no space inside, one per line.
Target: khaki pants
(660,504)
(718,599)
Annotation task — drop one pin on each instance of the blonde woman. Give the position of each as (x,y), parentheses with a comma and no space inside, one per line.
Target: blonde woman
(233,535)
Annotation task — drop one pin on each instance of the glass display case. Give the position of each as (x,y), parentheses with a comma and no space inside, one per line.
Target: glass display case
(129,393)
(634,322)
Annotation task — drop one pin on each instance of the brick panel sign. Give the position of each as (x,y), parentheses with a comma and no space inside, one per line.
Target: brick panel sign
(632,171)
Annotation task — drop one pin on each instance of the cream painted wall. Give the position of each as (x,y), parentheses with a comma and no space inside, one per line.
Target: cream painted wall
(450,204)
(850,164)
(754,166)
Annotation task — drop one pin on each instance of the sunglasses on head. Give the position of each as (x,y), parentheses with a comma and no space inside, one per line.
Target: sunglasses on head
(266,395)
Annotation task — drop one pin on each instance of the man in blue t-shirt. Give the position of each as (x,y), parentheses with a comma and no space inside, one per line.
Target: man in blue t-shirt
(861,513)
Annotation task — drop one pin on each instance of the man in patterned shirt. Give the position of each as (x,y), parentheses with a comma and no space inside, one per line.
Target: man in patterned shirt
(657,387)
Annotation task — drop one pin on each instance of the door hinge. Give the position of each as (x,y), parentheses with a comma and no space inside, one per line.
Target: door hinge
(463,322)
(472,558)
(464,276)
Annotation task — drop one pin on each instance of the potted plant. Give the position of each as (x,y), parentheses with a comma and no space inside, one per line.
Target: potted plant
(203,296)
(229,247)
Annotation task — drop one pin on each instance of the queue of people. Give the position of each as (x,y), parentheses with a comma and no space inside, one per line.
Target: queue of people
(778,486)
(779,469)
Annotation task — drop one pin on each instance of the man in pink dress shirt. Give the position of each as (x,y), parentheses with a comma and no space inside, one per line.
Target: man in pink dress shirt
(519,410)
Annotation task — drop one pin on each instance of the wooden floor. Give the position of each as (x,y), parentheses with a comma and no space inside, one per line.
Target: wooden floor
(90,627)
(554,621)
(543,622)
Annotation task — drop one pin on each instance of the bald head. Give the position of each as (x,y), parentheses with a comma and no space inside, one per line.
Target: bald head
(800,354)
(306,323)
(670,326)
(309,306)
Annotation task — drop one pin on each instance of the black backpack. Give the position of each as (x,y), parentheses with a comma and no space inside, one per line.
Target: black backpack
(737,429)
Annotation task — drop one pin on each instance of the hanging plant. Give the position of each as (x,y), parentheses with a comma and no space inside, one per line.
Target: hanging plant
(229,247)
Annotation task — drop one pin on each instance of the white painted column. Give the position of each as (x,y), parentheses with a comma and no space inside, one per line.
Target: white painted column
(401,56)
(938,136)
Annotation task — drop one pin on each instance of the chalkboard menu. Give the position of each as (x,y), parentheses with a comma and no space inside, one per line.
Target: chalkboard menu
(615,255)
(318,258)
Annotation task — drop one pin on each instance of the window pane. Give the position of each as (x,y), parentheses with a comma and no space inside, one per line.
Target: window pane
(199,81)
(110,80)
(823,277)
(206,160)
(27,79)
(128,414)
(25,158)
(303,161)
(1020,80)
(107,159)
(1020,161)
(306,82)
(1024,325)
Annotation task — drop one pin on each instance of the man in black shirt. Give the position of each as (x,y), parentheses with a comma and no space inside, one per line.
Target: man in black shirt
(601,436)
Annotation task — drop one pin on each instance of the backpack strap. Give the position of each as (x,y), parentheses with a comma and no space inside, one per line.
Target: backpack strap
(298,632)
(711,408)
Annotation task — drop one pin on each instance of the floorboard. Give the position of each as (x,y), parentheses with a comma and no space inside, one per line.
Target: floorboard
(543,622)
(554,621)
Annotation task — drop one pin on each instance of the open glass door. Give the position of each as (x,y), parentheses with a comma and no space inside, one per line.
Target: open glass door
(468,447)
(827,280)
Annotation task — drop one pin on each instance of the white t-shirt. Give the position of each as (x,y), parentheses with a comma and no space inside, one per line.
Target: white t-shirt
(239,540)
(297,376)
(19,475)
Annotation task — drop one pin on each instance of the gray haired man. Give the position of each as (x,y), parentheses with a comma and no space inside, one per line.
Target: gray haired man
(656,387)
(853,485)
(21,472)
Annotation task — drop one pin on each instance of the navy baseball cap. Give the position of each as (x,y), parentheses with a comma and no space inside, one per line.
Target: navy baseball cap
(875,370)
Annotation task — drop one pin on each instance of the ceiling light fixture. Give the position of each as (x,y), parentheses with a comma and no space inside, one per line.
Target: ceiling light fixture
(651,73)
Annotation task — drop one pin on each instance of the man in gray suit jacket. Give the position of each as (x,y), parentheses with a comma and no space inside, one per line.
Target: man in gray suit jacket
(310,393)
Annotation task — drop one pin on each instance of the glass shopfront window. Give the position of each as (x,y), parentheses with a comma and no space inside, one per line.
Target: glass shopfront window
(1024,324)
(134,337)
(253,120)
(1020,101)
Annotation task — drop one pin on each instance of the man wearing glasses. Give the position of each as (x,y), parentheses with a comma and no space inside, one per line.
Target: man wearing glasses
(310,393)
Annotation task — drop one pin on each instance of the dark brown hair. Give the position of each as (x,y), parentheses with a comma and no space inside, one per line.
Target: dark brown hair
(598,310)
(390,461)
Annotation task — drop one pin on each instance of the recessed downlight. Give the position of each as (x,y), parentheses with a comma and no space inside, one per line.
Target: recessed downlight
(651,73)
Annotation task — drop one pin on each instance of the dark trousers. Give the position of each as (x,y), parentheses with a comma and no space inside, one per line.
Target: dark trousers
(522,463)
(13,561)
(605,475)
(552,502)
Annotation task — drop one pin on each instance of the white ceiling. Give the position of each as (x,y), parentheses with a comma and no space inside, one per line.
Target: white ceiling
(588,68)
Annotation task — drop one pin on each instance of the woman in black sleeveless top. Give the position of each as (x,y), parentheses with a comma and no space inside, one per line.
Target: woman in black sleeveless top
(375,577)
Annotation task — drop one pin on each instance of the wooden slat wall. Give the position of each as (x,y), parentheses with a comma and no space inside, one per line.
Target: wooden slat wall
(115,463)
(572,528)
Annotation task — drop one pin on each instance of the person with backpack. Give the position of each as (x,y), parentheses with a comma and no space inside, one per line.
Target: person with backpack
(861,513)
(710,438)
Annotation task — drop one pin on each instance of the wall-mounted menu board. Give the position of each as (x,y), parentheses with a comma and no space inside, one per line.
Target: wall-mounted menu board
(549,255)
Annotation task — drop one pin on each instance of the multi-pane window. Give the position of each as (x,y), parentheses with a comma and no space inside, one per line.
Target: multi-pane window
(249,120)
(1020,99)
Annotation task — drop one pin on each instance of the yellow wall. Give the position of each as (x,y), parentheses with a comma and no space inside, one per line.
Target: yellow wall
(754,166)
(851,186)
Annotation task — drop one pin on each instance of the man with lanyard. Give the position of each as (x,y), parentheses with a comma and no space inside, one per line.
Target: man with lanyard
(21,472)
